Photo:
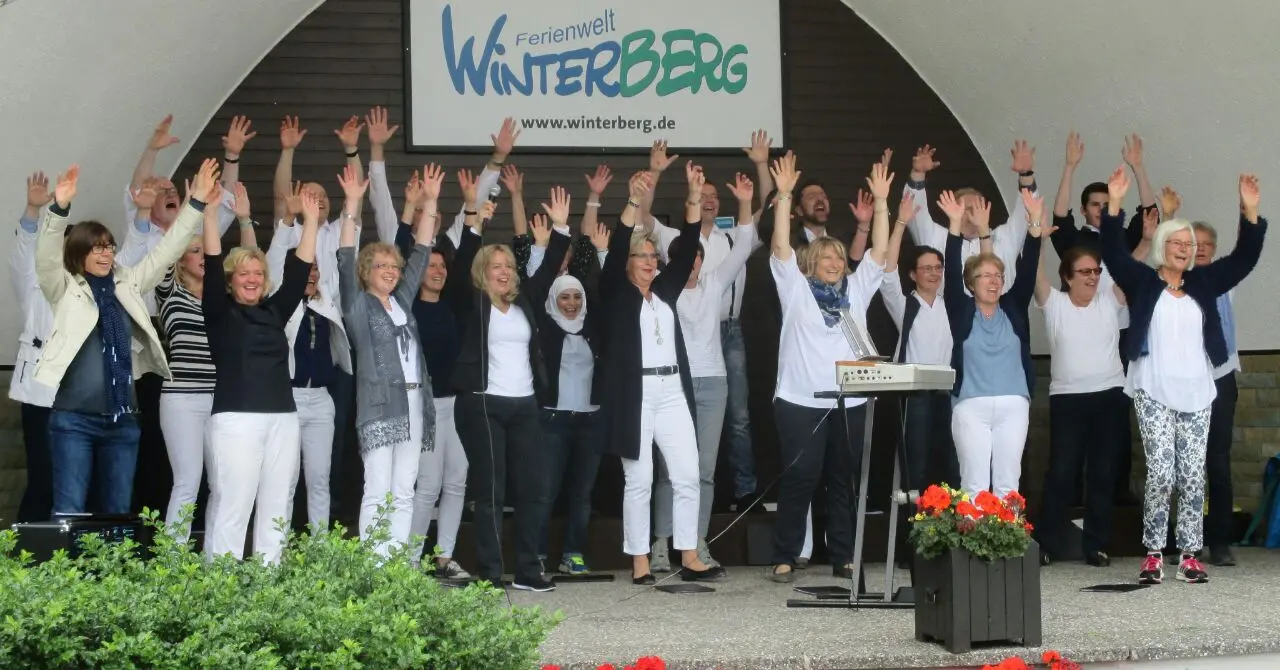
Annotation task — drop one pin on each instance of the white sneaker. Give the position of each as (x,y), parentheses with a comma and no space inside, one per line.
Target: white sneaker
(704,554)
(658,559)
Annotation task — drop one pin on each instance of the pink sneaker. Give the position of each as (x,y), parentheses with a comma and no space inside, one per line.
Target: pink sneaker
(1152,570)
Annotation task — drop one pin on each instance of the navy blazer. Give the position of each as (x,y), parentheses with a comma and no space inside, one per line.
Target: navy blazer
(1015,303)
(1142,285)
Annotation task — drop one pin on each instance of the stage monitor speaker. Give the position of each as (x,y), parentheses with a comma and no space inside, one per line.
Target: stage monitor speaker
(43,538)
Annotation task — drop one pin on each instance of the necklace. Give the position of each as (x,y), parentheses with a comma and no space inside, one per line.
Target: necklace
(657,323)
(1177,288)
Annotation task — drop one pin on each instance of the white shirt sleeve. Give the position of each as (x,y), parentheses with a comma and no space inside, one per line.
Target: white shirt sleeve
(284,239)
(1007,240)
(666,235)
(924,230)
(484,183)
(894,299)
(135,246)
(863,284)
(384,209)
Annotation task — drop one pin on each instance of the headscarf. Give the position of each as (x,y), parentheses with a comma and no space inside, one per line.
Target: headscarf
(560,285)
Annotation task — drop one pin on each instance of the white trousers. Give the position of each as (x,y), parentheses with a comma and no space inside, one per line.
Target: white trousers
(252,461)
(315,423)
(806,551)
(442,476)
(664,419)
(184,419)
(393,470)
(990,434)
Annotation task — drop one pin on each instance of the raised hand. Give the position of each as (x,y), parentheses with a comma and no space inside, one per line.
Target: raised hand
(468,183)
(353,183)
(693,175)
(953,208)
(600,180)
(923,160)
(513,180)
(205,186)
(506,138)
(1250,196)
(241,207)
(540,230)
(379,131)
(658,158)
(38,190)
(600,237)
(981,213)
(785,174)
(160,137)
(862,207)
(291,133)
(432,179)
(1170,202)
(1022,157)
(907,210)
(233,142)
(65,190)
(885,157)
(1117,186)
(215,196)
(349,133)
(758,152)
(293,204)
(413,189)
(559,208)
(639,184)
(1150,220)
(742,188)
(1035,209)
(1132,151)
(310,207)
(144,197)
(1075,149)
(487,210)
(880,180)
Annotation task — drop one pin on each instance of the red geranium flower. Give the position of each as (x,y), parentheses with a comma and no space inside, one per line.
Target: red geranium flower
(650,663)
(1015,500)
(966,508)
(934,500)
(1007,515)
(988,502)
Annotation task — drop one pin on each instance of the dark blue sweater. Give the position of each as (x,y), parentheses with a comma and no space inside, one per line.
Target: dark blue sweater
(1142,285)
(1015,302)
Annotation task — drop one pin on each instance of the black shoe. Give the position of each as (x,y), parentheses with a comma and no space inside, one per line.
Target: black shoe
(1098,559)
(535,584)
(782,577)
(711,574)
(842,571)
(1221,556)
(644,580)
(802,564)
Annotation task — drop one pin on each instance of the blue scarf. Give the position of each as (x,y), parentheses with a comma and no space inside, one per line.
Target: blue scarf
(117,356)
(831,299)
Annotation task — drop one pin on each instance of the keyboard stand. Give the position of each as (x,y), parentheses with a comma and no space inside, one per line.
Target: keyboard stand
(858,597)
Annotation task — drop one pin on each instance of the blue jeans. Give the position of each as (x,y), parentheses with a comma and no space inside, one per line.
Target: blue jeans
(88,447)
(737,418)
(569,439)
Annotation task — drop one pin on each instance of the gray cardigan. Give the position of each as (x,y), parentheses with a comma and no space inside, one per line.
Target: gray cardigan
(382,403)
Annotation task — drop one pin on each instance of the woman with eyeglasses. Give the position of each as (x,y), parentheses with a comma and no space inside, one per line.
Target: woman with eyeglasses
(1088,413)
(1175,341)
(102,340)
(991,351)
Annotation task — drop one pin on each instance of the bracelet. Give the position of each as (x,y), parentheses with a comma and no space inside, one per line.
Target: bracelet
(247,222)
(355,152)
(592,204)
(470,212)
(783,197)
(232,161)
(497,163)
(867,229)
(1027,173)
(633,203)
(693,203)
(985,237)
(900,222)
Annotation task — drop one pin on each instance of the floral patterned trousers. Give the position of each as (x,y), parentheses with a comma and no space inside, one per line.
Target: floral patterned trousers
(1174,443)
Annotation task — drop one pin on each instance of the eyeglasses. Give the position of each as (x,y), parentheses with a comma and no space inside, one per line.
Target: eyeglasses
(387,266)
(990,276)
(928,268)
(102,249)
(167,191)
(1089,272)
(1181,244)
(645,257)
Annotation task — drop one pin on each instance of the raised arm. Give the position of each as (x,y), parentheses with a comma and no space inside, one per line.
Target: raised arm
(953,294)
(1132,154)
(349,136)
(893,253)
(50,274)
(22,259)
(758,153)
(924,230)
(613,274)
(744,235)
(659,161)
(1065,237)
(1008,240)
(785,176)
(353,189)
(676,274)
(1226,272)
(514,181)
(291,134)
(160,139)
(503,144)
(205,193)
(384,208)
(863,209)
(1124,268)
(879,182)
(248,228)
(1026,280)
(596,184)
(424,235)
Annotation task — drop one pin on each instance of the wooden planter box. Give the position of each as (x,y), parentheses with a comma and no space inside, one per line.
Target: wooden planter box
(961,599)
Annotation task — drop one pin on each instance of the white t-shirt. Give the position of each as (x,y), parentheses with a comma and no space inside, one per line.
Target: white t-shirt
(1176,372)
(1084,342)
(808,348)
(657,333)
(408,354)
(576,368)
(510,373)
(702,307)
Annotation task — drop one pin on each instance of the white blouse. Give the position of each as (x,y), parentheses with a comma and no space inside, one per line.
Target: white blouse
(510,373)
(576,368)
(408,355)
(657,333)
(1084,342)
(1176,372)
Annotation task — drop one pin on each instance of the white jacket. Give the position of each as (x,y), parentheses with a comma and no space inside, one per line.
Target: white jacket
(75,312)
(339,345)
(37,323)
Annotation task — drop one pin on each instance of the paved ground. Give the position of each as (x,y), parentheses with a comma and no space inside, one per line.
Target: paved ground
(746,624)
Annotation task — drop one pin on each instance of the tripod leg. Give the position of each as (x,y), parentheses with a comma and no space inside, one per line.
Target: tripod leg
(860,485)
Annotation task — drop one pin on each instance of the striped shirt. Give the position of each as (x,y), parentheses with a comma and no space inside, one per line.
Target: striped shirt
(183,321)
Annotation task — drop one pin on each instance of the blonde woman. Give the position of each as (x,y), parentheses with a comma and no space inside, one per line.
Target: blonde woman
(102,340)
(253,432)
(395,420)
(501,379)
(186,398)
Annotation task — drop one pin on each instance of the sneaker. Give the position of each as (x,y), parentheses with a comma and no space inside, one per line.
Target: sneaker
(451,570)
(658,559)
(573,565)
(1152,570)
(1191,572)
(704,554)
(535,584)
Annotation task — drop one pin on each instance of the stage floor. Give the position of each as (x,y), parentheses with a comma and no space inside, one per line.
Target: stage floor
(746,625)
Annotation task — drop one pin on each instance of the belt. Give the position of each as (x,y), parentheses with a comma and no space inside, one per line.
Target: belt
(661,371)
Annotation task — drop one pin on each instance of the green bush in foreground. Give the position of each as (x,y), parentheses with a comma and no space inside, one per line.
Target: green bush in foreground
(331,603)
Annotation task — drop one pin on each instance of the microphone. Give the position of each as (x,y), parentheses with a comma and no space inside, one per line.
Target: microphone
(495,192)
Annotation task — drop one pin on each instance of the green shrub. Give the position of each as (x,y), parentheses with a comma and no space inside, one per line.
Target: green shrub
(331,603)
